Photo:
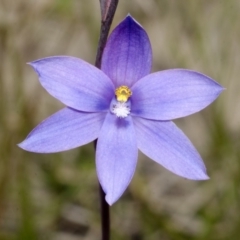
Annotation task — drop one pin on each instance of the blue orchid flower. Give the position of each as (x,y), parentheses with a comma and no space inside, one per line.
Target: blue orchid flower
(125,107)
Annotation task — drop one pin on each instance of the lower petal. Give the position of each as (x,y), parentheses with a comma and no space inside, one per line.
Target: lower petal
(64,130)
(116,156)
(166,144)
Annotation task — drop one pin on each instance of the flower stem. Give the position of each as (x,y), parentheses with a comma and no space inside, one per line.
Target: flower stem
(105,27)
(105,216)
(108,9)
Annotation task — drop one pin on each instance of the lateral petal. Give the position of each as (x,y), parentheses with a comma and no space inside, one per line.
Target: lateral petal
(64,130)
(166,144)
(116,156)
(127,56)
(171,94)
(75,83)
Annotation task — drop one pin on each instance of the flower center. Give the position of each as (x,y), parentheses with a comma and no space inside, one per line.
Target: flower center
(123,93)
(120,106)
(120,109)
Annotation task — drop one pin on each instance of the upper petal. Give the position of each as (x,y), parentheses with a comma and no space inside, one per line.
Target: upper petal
(64,130)
(173,94)
(75,82)
(167,145)
(127,56)
(116,156)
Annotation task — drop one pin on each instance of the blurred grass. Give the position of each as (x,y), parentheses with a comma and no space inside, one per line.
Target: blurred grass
(55,196)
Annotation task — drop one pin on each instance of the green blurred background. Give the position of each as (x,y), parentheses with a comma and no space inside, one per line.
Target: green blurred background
(55,196)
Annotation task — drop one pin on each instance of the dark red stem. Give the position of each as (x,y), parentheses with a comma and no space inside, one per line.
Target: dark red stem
(105,27)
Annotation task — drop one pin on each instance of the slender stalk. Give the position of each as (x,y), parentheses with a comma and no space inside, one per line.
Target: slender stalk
(108,9)
(105,27)
(105,215)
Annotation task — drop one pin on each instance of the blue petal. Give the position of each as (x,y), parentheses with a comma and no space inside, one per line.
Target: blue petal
(64,130)
(127,56)
(173,94)
(76,83)
(116,156)
(166,144)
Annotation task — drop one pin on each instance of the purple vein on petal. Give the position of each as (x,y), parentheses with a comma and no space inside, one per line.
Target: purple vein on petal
(174,93)
(64,130)
(75,82)
(116,156)
(165,143)
(127,56)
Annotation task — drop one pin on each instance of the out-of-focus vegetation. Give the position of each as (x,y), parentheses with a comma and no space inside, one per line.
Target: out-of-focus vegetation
(55,196)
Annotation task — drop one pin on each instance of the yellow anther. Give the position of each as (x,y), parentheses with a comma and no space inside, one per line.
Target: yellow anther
(123,93)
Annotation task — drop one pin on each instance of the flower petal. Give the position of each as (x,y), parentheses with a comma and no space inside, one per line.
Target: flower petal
(173,94)
(64,130)
(127,56)
(116,156)
(166,144)
(74,82)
